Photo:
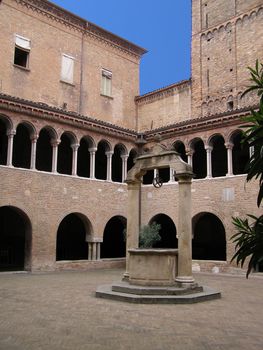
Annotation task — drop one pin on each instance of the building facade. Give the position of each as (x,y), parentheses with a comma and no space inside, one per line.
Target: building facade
(72,122)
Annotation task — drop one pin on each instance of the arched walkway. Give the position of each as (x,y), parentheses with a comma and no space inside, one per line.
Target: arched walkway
(114,245)
(219,156)
(15,239)
(209,239)
(179,147)
(65,153)
(71,238)
(117,162)
(101,160)
(167,231)
(83,168)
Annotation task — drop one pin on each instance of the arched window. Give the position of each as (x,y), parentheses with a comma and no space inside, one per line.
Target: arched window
(167,231)
(101,160)
(15,240)
(65,154)
(179,147)
(209,241)
(44,151)
(83,168)
(71,238)
(22,147)
(240,154)
(132,155)
(114,245)
(218,156)
(119,151)
(3,142)
(199,159)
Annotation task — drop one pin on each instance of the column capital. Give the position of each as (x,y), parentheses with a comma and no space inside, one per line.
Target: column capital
(208,148)
(124,156)
(11,133)
(54,142)
(93,149)
(109,153)
(229,145)
(189,152)
(34,137)
(74,146)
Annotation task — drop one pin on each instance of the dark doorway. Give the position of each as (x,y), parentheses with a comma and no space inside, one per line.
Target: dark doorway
(167,231)
(209,242)
(114,245)
(15,239)
(71,239)
(117,163)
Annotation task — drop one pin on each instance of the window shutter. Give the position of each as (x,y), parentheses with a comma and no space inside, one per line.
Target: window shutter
(67,68)
(22,42)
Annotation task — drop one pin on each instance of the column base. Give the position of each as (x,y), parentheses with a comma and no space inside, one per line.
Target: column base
(126,276)
(185,279)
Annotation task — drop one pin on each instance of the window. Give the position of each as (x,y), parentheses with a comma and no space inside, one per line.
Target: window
(106,78)
(22,49)
(67,69)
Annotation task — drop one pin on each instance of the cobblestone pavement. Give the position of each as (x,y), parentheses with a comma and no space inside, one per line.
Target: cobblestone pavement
(58,311)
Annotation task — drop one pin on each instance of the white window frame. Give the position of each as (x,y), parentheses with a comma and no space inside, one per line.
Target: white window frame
(106,82)
(67,69)
(22,44)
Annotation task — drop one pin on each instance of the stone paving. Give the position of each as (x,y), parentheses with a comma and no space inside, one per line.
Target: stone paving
(58,311)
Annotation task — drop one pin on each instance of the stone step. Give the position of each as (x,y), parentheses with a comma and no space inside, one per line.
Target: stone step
(106,292)
(124,287)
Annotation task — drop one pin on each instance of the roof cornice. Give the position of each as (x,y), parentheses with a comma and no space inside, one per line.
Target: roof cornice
(162,92)
(47,112)
(69,19)
(200,124)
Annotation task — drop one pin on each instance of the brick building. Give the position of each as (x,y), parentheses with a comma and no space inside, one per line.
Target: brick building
(71,123)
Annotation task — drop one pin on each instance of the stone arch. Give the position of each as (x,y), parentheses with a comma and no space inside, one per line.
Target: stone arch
(179,147)
(120,151)
(25,132)
(15,239)
(44,149)
(73,233)
(218,155)
(101,164)
(240,153)
(65,152)
(167,231)
(86,145)
(199,158)
(113,245)
(132,156)
(209,237)
(5,128)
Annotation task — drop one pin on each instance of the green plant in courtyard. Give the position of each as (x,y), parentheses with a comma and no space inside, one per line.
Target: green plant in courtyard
(148,235)
(249,236)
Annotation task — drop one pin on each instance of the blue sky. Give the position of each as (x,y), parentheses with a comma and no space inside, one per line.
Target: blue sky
(163,27)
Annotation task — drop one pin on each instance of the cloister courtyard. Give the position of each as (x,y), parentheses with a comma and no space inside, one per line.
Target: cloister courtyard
(59,311)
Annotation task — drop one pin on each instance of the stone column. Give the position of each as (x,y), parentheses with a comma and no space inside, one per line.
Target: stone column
(190,157)
(124,159)
(10,136)
(229,146)
(109,164)
(33,152)
(74,158)
(208,161)
(171,175)
(54,144)
(92,152)
(90,250)
(133,219)
(98,250)
(185,231)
